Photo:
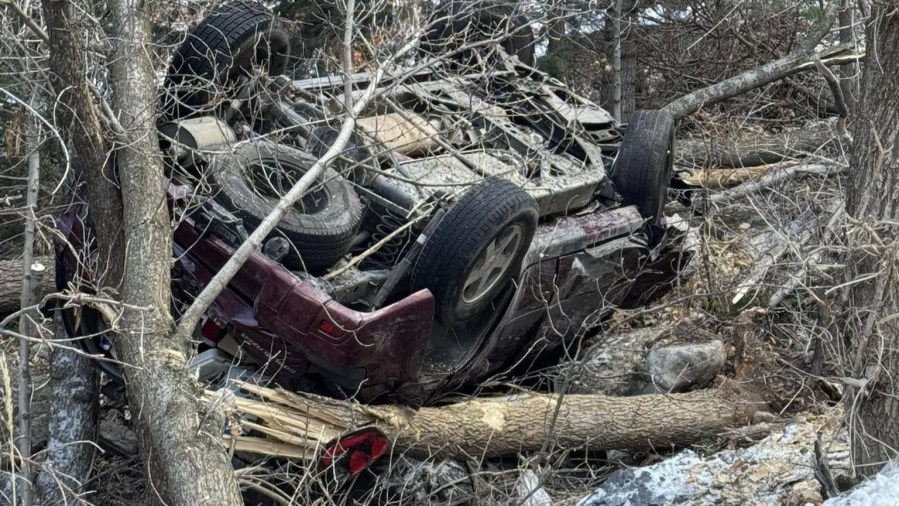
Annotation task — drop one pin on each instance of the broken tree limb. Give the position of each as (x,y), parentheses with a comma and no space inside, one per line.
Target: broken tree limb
(801,60)
(797,233)
(810,262)
(751,150)
(297,425)
(775,177)
(11,282)
(722,179)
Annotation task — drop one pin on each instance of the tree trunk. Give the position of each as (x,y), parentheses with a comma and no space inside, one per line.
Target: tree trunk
(628,59)
(618,82)
(873,199)
(74,408)
(11,283)
(504,426)
(78,118)
(186,462)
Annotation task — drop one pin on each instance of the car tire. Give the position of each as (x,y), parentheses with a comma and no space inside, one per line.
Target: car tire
(459,18)
(455,264)
(642,170)
(351,162)
(321,226)
(224,46)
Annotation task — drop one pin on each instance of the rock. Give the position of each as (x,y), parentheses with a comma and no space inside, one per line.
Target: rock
(880,490)
(611,365)
(430,482)
(530,492)
(675,368)
(773,472)
(618,365)
(805,492)
(118,438)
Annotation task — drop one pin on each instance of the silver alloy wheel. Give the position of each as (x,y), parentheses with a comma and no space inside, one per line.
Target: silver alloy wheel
(491,264)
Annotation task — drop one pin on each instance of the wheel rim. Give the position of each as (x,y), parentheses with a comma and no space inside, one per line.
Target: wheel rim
(274,179)
(491,264)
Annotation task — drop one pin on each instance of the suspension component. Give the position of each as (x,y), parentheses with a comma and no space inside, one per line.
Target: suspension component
(391,251)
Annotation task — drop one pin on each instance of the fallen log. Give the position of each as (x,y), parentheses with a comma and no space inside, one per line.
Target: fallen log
(11,283)
(751,150)
(298,425)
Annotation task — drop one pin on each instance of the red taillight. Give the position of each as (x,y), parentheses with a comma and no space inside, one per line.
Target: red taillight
(357,450)
(330,328)
(211,330)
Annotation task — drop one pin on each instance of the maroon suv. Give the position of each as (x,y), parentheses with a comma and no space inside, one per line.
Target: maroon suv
(478,217)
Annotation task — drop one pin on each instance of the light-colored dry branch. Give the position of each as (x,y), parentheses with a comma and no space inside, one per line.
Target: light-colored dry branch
(775,177)
(722,179)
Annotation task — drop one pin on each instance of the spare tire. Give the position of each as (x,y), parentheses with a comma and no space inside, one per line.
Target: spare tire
(476,249)
(642,169)
(456,23)
(321,226)
(224,46)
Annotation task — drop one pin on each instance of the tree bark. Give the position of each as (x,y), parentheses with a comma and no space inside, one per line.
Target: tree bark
(11,283)
(186,462)
(78,119)
(750,150)
(873,200)
(505,426)
(848,81)
(74,409)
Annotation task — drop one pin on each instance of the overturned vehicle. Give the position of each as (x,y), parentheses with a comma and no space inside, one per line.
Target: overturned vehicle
(481,213)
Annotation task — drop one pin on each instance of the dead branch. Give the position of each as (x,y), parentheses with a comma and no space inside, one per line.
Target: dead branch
(775,177)
(800,60)
(801,229)
(797,279)
(722,179)
(29,296)
(839,99)
(296,425)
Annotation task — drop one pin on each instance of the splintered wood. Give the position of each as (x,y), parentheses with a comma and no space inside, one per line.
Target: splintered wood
(284,424)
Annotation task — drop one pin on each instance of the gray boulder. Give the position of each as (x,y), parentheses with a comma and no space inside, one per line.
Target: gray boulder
(677,367)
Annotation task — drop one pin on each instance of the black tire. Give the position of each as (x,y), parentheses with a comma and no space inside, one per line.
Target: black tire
(642,170)
(477,220)
(464,21)
(224,46)
(321,226)
(354,158)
